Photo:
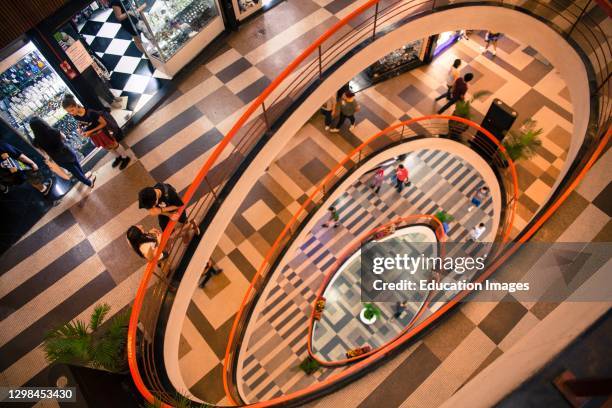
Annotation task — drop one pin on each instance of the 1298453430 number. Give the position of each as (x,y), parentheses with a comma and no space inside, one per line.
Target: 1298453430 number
(35,394)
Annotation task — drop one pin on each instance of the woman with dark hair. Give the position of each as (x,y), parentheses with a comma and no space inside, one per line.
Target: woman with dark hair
(145,243)
(52,145)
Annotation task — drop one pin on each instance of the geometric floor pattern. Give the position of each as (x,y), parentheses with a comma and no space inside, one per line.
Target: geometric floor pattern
(76,256)
(279,326)
(339,329)
(131,73)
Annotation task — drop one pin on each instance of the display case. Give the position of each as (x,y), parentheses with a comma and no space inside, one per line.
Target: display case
(175,31)
(30,87)
(244,8)
(396,62)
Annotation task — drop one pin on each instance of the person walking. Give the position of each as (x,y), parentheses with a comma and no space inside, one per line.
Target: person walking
(478,197)
(328,110)
(210,270)
(122,16)
(401,178)
(377,179)
(400,307)
(16,168)
(101,128)
(348,108)
(476,232)
(334,217)
(52,145)
(458,92)
(163,200)
(490,39)
(452,75)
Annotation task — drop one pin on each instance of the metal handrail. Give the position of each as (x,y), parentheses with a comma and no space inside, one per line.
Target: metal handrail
(427,126)
(573,21)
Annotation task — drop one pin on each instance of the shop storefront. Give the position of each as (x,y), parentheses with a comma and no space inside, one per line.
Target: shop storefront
(32,87)
(410,56)
(444,40)
(175,31)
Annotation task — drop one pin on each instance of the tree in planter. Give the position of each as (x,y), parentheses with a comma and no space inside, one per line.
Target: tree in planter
(88,345)
(463,109)
(444,219)
(309,365)
(370,311)
(522,144)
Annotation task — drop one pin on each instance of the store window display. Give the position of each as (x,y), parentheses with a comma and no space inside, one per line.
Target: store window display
(168,25)
(30,87)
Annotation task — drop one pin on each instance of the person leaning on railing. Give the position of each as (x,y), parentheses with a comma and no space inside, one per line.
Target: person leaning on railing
(163,200)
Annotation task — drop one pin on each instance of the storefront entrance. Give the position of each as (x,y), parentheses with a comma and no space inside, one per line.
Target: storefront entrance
(131,74)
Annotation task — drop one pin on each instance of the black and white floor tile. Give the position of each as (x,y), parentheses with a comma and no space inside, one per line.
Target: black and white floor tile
(132,74)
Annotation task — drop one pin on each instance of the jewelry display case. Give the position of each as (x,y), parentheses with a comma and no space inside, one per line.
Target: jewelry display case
(175,31)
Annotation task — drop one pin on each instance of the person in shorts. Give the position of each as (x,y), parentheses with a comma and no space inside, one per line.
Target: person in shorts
(100,128)
(490,39)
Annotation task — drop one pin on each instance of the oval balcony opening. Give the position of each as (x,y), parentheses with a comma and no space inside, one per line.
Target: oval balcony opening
(349,319)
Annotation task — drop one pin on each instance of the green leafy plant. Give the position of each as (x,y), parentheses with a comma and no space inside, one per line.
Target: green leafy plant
(309,365)
(522,144)
(88,344)
(444,217)
(370,311)
(463,109)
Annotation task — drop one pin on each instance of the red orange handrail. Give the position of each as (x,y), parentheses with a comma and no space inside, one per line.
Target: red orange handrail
(439,232)
(139,299)
(349,157)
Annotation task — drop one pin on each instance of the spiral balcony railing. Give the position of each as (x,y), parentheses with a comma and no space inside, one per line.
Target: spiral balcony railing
(373,19)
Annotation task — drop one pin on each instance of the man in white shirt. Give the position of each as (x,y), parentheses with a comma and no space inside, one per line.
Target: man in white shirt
(451,77)
(477,232)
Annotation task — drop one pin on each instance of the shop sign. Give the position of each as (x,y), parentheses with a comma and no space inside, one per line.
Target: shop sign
(79,56)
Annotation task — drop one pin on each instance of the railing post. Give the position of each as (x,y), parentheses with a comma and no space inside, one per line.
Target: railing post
(375,21)
(359,158)
(603,83)
(210,187)
(265,113)
(579,17)
(402,135)
(320,64)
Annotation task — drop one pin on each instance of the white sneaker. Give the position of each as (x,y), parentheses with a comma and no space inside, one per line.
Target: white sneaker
(482,49)
(352,127)
(326,127)
(494,52)
(470,208)
(334,130)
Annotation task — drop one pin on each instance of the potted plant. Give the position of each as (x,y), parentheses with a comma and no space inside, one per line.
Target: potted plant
(369,313)
(309,365)
(463,109)
(88,344)
(522,144)
(444,219)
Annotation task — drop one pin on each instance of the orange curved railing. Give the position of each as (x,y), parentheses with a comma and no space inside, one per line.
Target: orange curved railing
(364,23)
(399,223)
(426,126)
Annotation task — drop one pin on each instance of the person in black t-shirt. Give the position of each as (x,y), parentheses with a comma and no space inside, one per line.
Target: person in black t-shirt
(121,14)
(16,167)
(51,143)
(163,200)
(100,127)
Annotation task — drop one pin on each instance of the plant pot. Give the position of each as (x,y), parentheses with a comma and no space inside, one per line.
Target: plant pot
(365,320)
